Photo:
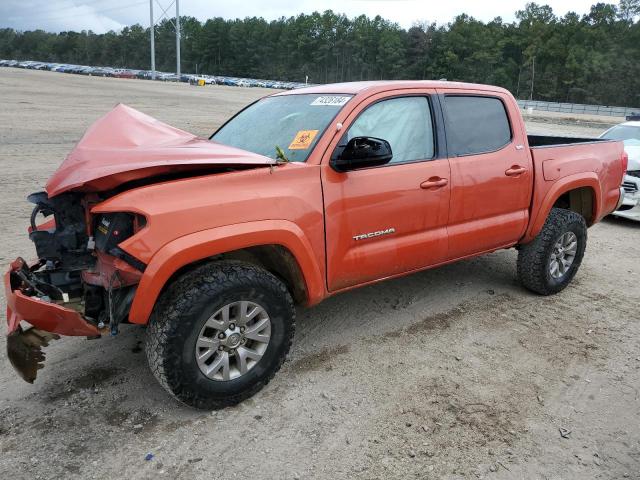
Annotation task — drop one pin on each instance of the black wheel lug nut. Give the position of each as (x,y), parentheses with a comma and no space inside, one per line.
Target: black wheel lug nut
(221,335)
(232,326)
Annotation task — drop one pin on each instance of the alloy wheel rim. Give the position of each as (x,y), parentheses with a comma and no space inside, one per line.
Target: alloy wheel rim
(233,340)
(563,255)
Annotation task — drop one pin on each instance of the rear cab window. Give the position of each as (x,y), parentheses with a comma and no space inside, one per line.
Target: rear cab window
(475,124)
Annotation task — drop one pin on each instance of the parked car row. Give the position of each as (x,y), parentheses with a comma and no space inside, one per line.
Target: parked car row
(147,75)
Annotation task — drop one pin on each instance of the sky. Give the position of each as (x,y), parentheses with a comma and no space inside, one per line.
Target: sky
(103,15)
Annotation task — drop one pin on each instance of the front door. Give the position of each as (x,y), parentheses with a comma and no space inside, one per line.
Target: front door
(391,219)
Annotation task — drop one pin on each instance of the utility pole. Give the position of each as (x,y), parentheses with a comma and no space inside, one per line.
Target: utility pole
(178,38)
(533,76)
(152,27)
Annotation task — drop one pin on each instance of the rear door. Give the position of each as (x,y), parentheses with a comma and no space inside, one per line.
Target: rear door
(390,219)
(491,171)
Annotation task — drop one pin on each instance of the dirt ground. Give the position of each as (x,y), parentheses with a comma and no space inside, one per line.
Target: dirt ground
(452,373)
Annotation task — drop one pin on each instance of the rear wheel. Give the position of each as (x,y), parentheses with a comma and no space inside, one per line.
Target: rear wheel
(220,333)
(548,263)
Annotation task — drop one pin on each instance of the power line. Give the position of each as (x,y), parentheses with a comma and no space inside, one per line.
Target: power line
(176,26)
(164,13)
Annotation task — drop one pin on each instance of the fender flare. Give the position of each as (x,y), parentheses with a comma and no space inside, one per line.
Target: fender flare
(198,246)
(559,188)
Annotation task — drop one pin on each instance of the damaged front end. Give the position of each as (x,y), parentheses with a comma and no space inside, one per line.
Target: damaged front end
(82,284)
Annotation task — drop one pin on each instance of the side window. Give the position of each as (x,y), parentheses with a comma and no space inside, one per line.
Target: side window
(475,124)
(403,122)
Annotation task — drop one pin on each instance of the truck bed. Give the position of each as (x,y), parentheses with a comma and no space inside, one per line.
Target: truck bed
(587,162)
(537,141)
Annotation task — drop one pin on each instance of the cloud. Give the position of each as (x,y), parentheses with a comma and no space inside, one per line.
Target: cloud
(59,15)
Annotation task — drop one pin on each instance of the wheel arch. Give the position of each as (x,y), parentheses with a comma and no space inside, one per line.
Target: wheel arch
(580,200)
(577,193)
(274,258)
(279,246)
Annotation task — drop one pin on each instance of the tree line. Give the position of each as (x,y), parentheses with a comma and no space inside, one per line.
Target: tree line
(593,58)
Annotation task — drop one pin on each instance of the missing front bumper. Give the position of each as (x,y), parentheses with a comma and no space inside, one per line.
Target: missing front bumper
(44,315)
(48,320)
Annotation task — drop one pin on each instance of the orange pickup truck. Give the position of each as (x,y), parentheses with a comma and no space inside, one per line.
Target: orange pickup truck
(303,194)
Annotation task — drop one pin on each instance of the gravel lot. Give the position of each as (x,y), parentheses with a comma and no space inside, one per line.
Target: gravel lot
(451,373)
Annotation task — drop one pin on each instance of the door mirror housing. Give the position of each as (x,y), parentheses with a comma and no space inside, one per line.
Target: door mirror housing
(362,152)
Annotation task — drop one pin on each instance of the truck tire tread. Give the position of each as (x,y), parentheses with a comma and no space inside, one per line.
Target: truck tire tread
(181,300)
(533,257)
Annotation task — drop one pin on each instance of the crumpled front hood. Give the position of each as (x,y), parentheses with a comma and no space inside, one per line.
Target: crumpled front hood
(127,145)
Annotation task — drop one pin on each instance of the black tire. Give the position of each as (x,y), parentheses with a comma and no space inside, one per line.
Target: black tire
(181,313)
(534,258)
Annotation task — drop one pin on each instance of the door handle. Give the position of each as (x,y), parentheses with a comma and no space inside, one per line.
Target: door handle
(514,171)
(434,182)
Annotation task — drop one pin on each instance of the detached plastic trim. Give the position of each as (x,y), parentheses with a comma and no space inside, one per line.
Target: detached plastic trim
(130,259)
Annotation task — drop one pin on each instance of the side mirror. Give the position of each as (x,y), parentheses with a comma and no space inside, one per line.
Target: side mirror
(362,152)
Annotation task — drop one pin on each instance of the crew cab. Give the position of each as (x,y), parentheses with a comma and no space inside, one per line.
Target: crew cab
(304,194)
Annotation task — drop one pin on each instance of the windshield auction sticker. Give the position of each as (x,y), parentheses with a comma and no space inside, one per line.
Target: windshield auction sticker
(331,100)
(303,139)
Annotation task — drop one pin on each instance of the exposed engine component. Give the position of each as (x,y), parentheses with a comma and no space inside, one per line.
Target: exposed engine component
(61,244)
(74,266)
(113,228)
(33,284)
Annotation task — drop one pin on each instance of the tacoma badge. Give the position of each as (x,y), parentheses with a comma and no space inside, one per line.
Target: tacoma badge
(379,233)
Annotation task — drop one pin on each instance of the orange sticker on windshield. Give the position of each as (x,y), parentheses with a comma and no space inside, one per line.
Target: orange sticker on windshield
(303,139)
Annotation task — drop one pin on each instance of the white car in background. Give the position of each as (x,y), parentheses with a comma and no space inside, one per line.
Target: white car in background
(629,133)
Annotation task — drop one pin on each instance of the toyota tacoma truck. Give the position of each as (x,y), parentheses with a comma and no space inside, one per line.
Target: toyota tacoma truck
(211,243)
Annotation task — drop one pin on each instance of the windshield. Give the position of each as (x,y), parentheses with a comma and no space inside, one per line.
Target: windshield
(628,133)
(291,124)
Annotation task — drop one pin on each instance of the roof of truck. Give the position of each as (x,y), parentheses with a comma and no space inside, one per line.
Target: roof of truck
(354,88)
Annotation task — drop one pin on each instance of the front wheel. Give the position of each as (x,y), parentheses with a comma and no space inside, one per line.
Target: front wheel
(548,263)
(220,333)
